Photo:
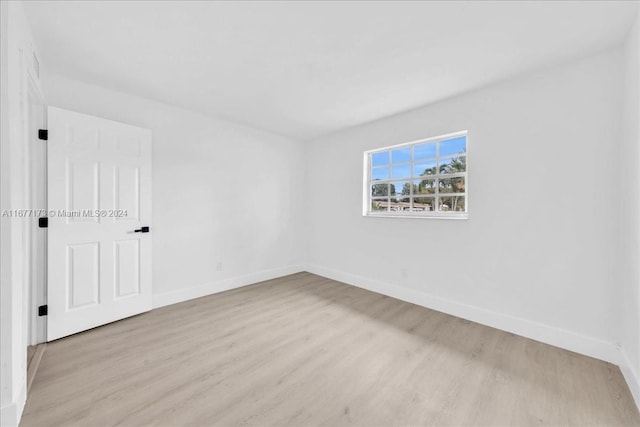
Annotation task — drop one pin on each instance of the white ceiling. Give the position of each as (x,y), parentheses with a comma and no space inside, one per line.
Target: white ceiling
(304,69)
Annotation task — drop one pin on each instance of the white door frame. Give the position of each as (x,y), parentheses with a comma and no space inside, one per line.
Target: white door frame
(34,177)
(36,187)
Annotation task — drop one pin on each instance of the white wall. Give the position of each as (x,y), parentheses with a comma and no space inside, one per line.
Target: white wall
(6,288)
(17,47)
(221,193)
(629,223)
(537,255)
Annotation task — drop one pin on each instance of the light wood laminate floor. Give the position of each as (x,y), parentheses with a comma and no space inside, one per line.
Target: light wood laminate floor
(303,350)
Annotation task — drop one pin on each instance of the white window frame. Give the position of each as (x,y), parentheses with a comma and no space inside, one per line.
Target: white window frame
(367,182)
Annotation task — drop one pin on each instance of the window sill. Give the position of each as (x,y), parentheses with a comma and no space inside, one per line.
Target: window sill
(462,215)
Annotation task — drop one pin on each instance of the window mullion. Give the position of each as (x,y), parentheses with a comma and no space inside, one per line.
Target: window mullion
(437,182)
(411,179)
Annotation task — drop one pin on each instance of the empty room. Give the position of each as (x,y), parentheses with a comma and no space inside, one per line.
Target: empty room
(319,213)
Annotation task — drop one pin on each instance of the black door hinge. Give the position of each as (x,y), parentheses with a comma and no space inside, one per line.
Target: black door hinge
(43,222)
(43,134)
(43,310)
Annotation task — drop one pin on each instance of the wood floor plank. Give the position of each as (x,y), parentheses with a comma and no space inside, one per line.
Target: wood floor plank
(305,350)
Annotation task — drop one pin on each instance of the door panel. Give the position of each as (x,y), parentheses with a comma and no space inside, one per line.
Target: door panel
(83,187)
(127,275)
(127,191)
(83,275)
(99,188)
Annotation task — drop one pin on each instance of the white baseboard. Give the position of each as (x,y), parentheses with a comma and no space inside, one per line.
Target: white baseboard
(10,414)
(180,295)
(562,338)
(630,376)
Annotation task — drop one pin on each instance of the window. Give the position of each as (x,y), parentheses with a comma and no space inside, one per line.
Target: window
(426,178)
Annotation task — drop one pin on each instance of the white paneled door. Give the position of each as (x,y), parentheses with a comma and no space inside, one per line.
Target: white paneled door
(99,201)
